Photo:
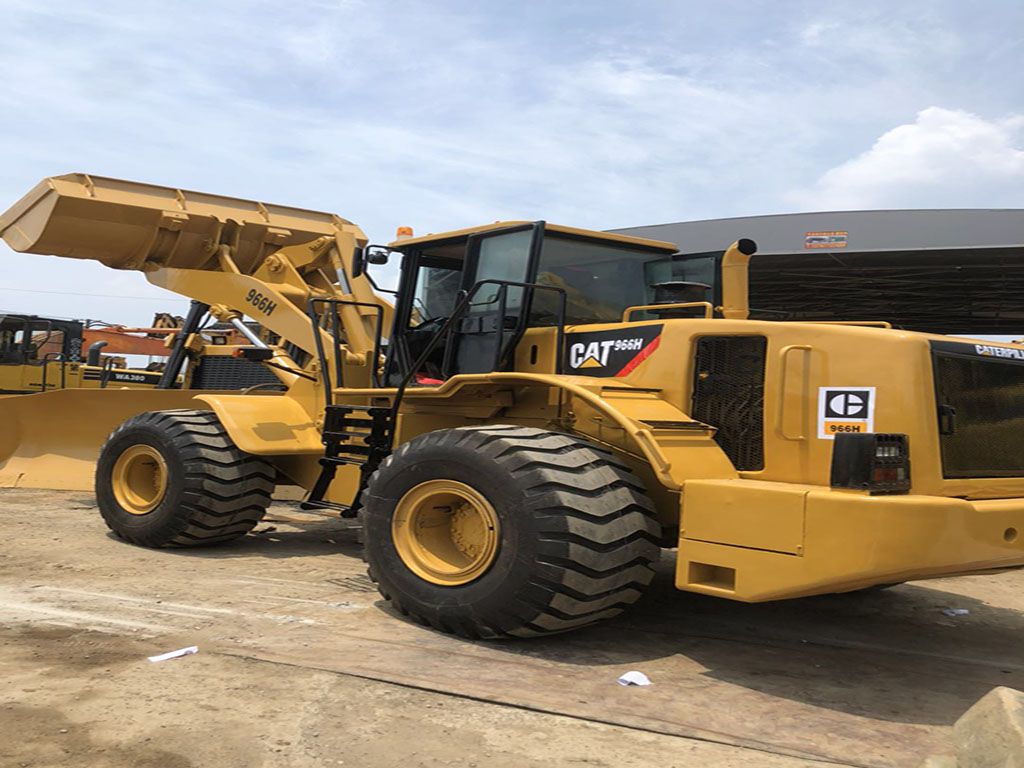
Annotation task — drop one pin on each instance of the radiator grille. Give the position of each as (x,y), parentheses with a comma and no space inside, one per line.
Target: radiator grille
(224,372)
(981,416)
(728,393)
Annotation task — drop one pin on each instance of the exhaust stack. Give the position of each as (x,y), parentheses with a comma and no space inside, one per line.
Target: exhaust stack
(735,281)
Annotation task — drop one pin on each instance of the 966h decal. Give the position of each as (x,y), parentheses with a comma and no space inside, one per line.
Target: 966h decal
(610,353)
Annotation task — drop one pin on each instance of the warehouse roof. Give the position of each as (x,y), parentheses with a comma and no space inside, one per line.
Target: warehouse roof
(944,271)
(885,230)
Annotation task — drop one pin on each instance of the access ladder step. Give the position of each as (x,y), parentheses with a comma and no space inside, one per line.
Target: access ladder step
(352,435)
(327,505)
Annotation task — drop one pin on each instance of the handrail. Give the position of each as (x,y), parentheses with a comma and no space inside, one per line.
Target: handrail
(335,330)
(108,366)
(709,308)
(460,308)
(54,357)
(866,323)
(780,424)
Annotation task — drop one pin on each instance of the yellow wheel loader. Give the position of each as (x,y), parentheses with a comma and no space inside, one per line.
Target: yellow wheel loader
(542,411)
(38,354)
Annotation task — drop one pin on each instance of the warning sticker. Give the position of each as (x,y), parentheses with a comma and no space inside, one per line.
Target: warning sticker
(845,409)
(834,239)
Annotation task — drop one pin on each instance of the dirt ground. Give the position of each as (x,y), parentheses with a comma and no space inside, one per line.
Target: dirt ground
(301,664)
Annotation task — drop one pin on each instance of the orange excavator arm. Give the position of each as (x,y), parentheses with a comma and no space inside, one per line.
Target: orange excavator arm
(127,341)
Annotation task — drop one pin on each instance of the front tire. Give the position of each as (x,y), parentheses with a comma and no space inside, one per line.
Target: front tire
(505,531)
(176,479)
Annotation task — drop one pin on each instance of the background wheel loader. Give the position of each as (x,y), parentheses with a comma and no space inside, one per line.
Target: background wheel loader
(42,353)
(550,410)
(38,354)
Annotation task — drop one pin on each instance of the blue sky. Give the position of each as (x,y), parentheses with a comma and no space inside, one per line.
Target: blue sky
(448,114)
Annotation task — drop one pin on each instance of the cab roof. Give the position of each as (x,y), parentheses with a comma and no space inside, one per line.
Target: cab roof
(455,235)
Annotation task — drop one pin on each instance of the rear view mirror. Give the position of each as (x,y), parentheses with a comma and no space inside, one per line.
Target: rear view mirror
(371,254)
(376,254)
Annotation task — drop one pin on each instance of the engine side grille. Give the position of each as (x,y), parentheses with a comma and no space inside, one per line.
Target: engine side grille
(224,372)
(981,414)
(728,393)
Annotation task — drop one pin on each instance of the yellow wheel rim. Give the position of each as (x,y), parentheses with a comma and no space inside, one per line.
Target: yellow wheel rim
(139,479)
(445,532)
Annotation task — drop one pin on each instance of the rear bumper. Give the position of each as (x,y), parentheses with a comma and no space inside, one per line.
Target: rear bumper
(755,541)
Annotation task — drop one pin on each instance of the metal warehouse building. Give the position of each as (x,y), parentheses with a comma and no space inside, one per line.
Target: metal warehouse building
(943,271)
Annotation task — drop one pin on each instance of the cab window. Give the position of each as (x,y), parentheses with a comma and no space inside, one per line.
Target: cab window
(12,340)
(600,280)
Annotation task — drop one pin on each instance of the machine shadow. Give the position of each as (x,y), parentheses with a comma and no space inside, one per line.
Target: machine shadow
(889,655)
(276,538)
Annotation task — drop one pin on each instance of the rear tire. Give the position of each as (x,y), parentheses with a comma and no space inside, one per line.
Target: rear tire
(574,540)
(176,479)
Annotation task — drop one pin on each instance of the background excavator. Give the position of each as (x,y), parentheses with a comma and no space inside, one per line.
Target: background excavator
(542,411)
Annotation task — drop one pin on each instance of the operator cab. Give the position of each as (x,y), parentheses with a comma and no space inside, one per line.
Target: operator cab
(31,340)
(511,276)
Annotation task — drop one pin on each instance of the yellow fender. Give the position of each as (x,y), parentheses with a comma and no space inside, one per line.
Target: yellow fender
(635,420)
(266,425)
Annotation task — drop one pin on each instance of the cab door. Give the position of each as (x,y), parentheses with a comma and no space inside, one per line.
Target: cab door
(497,315)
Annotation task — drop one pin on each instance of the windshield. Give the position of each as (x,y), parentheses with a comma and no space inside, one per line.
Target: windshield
(600,279)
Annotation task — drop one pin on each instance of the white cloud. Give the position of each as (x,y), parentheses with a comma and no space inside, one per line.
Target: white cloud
(878,38)
(944,159)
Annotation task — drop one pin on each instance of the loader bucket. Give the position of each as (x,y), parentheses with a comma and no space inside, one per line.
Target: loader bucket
(52,439)
(128,225)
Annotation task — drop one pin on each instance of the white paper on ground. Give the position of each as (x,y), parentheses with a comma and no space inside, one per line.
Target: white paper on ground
(955,611)
(176,654)
(634,678)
